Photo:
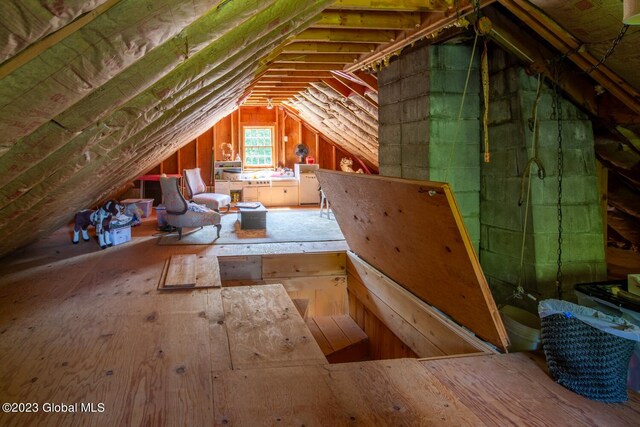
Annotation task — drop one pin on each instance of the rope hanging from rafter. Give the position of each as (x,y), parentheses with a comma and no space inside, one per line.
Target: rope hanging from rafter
(484,69)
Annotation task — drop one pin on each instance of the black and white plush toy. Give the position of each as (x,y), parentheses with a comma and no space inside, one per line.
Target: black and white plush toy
(100,219)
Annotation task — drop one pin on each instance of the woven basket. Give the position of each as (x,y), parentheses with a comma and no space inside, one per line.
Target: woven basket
(586,360)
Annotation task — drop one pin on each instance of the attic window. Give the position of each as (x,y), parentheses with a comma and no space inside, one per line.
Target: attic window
(258,147)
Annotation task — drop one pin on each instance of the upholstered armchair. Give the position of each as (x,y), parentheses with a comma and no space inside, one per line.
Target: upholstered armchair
(180,213)
(196,190)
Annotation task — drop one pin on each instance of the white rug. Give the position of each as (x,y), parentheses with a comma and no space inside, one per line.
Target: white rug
(282,226)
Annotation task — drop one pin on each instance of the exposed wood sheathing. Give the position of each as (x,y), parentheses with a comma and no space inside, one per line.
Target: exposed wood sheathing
(143,85)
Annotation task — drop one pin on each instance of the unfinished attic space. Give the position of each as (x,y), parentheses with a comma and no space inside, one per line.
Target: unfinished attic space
(319,213)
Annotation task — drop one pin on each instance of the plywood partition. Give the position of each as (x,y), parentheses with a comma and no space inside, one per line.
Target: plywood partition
(424,330)
(413,233)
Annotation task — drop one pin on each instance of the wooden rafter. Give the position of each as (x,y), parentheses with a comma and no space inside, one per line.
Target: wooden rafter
(432,23)
(324,47)
(507,34)
(320,58)
(346,36)
(266,85)
(353,87)
(566,43)
(368,79)
(370,20)
(395,5)
(296,73)
(304,67)
(40,46)
(286,80)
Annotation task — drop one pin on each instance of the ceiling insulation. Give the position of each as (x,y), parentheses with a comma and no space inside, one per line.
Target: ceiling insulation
(95,92)
(157,80)
(351,124)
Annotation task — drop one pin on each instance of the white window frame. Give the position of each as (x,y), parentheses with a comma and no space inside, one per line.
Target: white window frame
(244,147)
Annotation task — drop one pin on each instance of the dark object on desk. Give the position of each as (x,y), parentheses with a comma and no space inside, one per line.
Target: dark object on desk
(608,291)
(253,218)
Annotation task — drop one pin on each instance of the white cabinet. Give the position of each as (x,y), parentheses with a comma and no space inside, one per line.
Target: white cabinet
(264,195)
(284,196)
(223,187)
(250,194)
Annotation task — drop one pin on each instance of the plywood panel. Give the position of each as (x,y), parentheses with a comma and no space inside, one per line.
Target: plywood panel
(294,396)
(442,332)
(266,330)
(412,232)
(391,320)
(327,295)
(295,265)
(240,267)
(516,391)
(181,271)
(404,395)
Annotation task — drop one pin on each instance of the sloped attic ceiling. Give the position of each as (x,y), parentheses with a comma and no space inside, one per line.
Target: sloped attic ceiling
(114,97)
(95,92)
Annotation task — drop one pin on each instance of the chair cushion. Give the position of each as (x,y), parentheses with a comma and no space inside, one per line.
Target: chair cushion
(213,200)
(195,183)
(193,219)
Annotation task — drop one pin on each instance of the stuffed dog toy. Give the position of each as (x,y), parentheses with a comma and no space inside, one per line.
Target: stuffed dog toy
(100,219)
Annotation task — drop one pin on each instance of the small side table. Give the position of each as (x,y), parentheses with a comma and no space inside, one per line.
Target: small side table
(253,218)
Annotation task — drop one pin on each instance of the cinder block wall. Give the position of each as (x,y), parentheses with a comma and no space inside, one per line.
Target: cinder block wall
(512,97)
(420,136)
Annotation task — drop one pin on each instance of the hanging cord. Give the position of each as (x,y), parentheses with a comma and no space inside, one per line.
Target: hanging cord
(613,46)
(484,67)
(557,114)
(464,94)
(533,127)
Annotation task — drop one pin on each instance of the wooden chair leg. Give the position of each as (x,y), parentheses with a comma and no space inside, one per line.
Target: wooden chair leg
(218,228)
(179,233)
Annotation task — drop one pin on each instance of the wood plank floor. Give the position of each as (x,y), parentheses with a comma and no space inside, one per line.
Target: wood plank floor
(83,325)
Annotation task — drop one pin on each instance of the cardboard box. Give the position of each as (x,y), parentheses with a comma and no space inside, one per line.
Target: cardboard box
(144,204)
(633,283)
(120,235)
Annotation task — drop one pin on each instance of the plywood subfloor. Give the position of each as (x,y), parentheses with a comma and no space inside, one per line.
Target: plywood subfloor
(82,325)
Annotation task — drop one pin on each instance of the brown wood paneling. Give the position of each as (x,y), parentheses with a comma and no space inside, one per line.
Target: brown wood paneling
(170,164)
(413,233)
(205,147)
(325,155)
(292,132)
(309,139)
(188,157)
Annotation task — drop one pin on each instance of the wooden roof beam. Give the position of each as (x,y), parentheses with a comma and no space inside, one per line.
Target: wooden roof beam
(320,58)
(369,80)
(267,85)
(368,20)
(566,43)
(394,5)
(508,35)
(432,23)
(325,47)
(345,36)
(287,80)
(353,87)
(304,67)
(41,45)
(296,74)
